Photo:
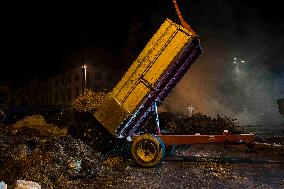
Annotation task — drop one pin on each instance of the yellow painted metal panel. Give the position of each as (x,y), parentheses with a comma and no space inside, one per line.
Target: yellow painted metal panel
(133,69)
(146,58)
(136,96)
(166,57)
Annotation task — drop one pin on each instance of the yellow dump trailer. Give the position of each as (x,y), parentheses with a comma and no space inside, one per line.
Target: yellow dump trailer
(161,64)
(149,80)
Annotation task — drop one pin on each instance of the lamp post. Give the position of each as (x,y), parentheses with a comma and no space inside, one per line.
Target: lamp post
(240,78)
(237,62)
(84,79)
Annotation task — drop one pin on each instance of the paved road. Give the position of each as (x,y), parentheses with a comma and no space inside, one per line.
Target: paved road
(205,166)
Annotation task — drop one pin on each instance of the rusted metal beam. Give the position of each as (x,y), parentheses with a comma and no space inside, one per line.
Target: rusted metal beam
(205,139)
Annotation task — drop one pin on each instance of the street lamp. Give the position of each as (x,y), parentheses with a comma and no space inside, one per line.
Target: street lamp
(237,62)
(240,79)
(84,80)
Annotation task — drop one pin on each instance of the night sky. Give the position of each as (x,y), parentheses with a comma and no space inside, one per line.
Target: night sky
(43,39)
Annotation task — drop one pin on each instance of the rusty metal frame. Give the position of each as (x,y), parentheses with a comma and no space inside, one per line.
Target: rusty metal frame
(206,139)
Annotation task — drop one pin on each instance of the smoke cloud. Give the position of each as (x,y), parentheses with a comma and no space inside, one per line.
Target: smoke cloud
(215,85)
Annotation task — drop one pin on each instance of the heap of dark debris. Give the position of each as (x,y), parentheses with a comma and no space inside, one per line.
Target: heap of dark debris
(52,161)
(198,123)
(83,154)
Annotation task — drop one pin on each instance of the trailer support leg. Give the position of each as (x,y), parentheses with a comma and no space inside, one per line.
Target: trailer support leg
(157,118)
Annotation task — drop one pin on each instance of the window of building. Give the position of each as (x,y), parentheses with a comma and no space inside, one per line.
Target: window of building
(56,83)
(98,76)
(62,96)
(76,77)
(56,97)
(69,94)
(77,91)
(62,81)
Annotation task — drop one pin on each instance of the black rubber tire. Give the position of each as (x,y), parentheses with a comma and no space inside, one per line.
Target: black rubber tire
(147,150)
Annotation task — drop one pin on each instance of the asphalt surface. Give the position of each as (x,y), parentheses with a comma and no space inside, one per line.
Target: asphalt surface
(206,166)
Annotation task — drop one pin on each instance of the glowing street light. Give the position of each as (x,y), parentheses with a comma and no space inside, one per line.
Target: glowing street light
(240,76)
(84,82)
(237,62)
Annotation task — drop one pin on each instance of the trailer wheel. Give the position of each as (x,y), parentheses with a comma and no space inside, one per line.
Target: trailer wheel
(147,150)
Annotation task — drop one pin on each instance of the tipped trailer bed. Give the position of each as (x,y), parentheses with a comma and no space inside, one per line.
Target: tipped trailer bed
(150,79)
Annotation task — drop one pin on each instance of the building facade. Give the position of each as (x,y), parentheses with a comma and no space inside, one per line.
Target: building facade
(5,94)
(63,88)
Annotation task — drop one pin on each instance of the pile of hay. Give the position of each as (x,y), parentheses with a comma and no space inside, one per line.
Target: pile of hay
(38,122)
(88,101)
